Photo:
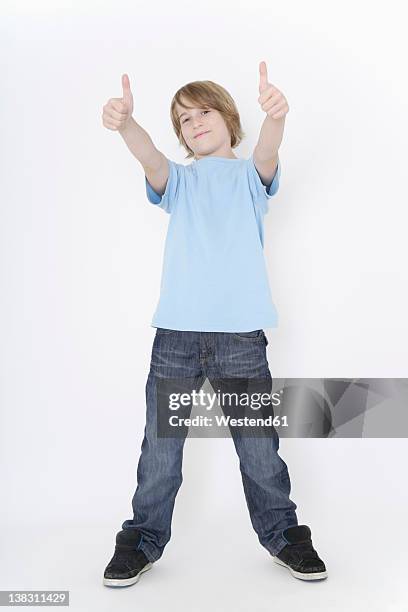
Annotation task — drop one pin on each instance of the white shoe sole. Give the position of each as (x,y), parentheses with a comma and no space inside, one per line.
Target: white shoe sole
(300,575)
(115,582)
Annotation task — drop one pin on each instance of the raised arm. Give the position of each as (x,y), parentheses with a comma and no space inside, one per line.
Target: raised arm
(117,116)
(274,103)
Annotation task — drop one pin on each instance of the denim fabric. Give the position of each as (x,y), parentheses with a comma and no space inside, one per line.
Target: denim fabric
(265,477)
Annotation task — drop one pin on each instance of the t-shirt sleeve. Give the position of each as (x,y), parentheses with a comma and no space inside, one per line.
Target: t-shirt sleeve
(169,197)
(262,193)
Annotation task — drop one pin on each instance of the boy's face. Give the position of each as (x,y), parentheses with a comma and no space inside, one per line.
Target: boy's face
(193,121)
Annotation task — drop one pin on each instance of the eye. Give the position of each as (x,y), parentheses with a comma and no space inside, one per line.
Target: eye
(204,111)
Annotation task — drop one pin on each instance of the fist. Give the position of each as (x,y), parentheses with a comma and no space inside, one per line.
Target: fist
(118,111)
(272,101)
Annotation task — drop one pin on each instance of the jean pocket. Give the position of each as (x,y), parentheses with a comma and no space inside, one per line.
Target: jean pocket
(253,336)
(162,331)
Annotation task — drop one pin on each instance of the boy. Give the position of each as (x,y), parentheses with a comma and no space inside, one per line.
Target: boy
(214,303)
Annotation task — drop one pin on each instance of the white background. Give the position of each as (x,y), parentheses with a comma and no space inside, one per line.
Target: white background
(81,255)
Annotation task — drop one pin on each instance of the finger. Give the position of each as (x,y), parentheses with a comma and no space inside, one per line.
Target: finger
(274,106)
(263,77)
(272,101)
(277,109)
(109,125)
(127,94)
(114,114)
(270,91)
(119,106)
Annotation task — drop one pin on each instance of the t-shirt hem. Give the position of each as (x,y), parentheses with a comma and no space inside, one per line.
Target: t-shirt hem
(214,328)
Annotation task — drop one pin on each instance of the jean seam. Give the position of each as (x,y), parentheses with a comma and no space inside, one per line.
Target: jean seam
(277,548)
(150,558)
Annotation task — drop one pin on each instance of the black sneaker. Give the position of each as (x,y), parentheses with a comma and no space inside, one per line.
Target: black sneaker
(299,556)
(127,563)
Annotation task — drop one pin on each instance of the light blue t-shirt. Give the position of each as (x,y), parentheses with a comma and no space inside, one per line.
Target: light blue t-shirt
(214,275)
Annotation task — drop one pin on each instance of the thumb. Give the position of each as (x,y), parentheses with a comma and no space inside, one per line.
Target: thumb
(263,77)
(127,94)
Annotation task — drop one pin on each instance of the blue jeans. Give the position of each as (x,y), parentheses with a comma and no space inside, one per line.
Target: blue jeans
(197,356)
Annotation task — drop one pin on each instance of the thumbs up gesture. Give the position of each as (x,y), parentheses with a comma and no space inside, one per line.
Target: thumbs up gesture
(118,111)
(272,101)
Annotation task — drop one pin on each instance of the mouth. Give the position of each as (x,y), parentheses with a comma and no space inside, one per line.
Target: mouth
(200,134)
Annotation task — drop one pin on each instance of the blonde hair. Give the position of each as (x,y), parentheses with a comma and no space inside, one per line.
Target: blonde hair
(204,94)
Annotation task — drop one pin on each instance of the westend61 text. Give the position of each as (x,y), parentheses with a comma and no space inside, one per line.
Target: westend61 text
(222,420)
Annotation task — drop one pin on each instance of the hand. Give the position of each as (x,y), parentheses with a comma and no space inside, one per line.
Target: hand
(118,111)
(272,101)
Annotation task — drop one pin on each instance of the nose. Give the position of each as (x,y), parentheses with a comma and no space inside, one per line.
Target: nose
(197,122)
